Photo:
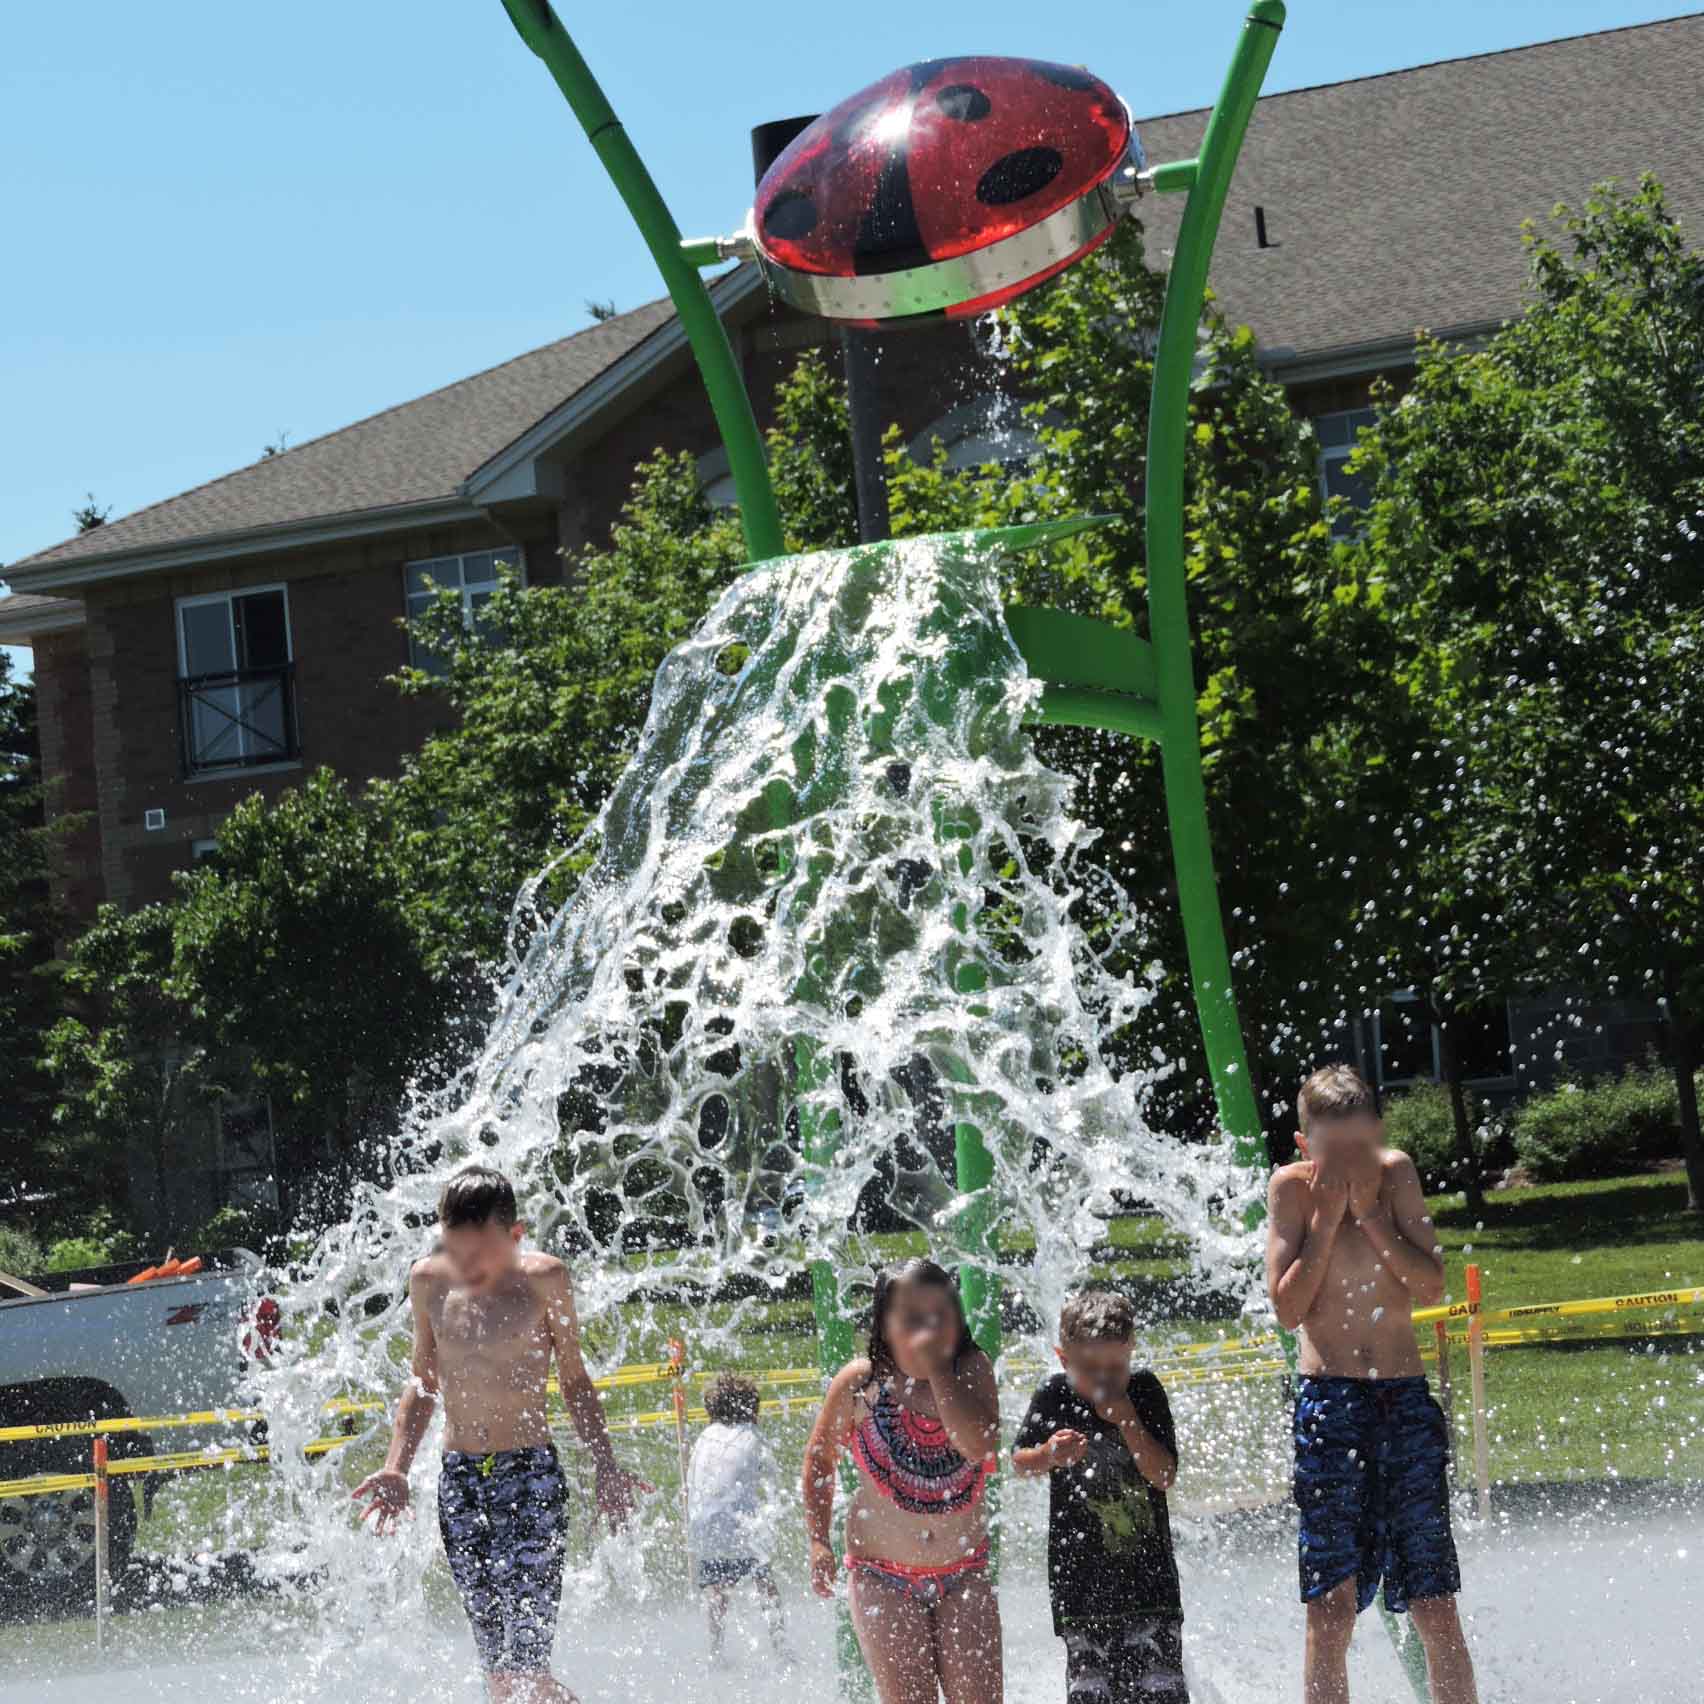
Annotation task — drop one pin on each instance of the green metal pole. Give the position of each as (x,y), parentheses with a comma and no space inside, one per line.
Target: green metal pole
(1168,614)
(542,31)
(1168,606)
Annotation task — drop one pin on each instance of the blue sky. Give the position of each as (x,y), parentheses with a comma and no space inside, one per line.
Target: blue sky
(226,222)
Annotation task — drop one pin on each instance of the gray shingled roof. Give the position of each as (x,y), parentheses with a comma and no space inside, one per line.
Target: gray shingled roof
(23,614)
(412,453)
(1396,202)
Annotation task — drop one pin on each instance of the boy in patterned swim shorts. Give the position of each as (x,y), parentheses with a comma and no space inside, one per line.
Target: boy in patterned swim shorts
(1350,1251)
(1104,1437)
(488,1317)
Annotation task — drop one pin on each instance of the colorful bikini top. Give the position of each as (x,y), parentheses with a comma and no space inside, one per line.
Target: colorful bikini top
(910,1459)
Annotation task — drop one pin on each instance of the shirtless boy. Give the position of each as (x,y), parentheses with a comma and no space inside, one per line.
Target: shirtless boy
(1350,1252)
(487,1319)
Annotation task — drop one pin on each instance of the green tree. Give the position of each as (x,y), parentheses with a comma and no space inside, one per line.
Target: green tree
(1532,553)
(125,1067)
(28,925)
(1261,567)
(288,967)
(552,689)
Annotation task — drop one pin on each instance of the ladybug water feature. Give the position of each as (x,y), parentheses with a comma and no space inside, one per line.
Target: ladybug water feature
(998,164)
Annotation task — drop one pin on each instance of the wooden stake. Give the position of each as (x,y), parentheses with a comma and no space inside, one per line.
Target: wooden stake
(1476,1374)
(102,1542)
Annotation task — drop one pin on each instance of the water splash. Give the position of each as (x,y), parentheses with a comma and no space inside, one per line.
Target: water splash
(837,843)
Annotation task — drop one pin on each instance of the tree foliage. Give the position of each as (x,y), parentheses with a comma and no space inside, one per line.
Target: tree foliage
(29,1159)
(1533,557)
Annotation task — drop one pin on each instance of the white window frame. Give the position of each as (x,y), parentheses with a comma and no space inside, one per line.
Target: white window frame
(414,602)
(1406,997)
(716,479)
(987,430)
(1333,454)
(200,600)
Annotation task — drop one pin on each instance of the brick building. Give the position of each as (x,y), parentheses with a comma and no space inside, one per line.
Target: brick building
(219,641)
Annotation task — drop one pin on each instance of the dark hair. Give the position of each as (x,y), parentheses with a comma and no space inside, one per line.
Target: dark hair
(918,1271)
(1098,1316)
(475,1195)
(732,1400)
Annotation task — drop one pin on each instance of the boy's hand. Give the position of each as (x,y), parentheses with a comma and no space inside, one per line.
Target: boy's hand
(388,1490)
(1328,1194)
(1365,1182)
(825,1567)
(617,1493)
(1066,1447)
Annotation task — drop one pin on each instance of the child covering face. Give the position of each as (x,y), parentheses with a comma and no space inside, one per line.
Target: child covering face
(1350,1250)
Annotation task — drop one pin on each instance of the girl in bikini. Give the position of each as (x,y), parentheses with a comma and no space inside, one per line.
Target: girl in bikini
(921,1418)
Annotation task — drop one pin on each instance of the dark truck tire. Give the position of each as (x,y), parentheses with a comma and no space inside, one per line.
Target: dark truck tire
(47,1539)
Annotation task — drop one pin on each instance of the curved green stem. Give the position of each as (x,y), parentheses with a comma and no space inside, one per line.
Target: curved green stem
(542,31)
(1168,607)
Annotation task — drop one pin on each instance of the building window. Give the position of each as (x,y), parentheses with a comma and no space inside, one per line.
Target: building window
(236,680)
(717,480)
(1338,434)
(1407,1048)
(248,1155)
(473,574)
(201,850)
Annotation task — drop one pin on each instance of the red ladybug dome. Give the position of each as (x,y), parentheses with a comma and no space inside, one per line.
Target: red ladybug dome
(947,187)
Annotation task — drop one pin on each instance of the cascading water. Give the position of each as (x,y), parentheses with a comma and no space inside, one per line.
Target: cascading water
(835,843)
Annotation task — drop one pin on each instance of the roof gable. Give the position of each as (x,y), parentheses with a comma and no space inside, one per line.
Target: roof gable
(1395,203)
(419,452)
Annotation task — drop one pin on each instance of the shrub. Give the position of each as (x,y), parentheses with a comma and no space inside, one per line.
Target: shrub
(235,1227)
(1599,1129)
(20,1253)
(72,1254)
(1419,1121)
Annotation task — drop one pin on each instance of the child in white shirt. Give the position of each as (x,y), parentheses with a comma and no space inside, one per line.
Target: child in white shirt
(729,1494)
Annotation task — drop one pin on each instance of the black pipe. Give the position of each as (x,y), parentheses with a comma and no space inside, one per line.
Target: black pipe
(859,360)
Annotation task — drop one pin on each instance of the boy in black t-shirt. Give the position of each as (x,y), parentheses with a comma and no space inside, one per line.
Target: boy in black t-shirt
(1103,1435)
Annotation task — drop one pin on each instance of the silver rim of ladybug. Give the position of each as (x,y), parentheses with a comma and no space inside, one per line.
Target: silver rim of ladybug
(1028,254)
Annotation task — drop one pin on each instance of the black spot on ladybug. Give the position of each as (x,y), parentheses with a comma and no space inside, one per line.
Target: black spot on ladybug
(889,238)
(964,102)
(1014,177)
(924,72)
(791,215)
(1067,77)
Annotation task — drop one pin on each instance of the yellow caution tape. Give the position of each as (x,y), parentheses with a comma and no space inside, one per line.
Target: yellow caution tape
(1213,1361)
(1689,1296)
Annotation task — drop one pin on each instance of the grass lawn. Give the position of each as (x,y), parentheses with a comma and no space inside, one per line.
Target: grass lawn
(1633,1409)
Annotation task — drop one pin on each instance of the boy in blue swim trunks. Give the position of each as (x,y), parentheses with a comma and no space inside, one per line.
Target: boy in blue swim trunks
(1350,1253)
(488,1319)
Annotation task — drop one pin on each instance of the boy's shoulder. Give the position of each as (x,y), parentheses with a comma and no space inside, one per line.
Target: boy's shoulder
(542,1270)
(1395,1163)
(1298,1174)
(431,1271)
